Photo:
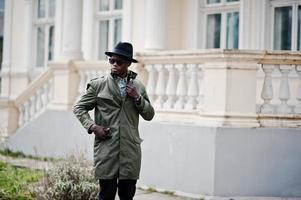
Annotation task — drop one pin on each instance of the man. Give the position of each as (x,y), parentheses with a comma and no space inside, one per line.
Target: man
(118,100)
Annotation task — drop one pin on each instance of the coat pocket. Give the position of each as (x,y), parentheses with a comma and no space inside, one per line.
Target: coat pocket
(135,135)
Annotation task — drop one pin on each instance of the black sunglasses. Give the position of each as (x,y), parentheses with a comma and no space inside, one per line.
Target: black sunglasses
(117,61)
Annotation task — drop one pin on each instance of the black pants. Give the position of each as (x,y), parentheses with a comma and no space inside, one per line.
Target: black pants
(108,188)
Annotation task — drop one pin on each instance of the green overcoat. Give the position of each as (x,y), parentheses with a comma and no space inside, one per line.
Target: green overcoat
(120,155)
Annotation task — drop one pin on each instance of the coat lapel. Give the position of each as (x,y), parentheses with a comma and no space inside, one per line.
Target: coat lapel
(114,89)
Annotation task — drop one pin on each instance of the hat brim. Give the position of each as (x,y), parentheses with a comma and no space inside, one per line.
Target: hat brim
(110,54)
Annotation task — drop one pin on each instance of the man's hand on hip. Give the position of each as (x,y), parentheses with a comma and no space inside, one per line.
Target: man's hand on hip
(100,132)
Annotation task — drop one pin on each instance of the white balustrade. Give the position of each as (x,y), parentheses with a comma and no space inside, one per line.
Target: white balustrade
(181,86)
(267,90)
(284,90)
(193,88)
(87,75)
(171,87)
(36,103)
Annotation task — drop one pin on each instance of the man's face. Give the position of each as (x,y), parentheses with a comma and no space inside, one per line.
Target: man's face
(119,66)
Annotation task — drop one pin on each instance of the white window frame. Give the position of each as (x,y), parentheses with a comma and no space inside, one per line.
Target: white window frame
(109,15)
(46,23)
(218,8)
(285,3)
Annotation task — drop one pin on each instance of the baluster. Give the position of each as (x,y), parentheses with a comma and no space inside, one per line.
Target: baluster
(267,90)
(82,83)
(193,88)
(43,94)
(27,111)
(284,90)
(34,104)
(94,74)
(47,89)
(99,73)
(22,115)
(160,87)
(39,100)
(108,71)
(181,87)
(297,109)
(171,88)
(88,75)
(200,105)
(51,89)
(151,83)
(31,107)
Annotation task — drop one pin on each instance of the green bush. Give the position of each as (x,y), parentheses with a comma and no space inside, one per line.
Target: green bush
(72,179)
(15,182)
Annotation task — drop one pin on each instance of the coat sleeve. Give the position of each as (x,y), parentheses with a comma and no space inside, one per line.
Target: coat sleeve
(86,103)
(145,108)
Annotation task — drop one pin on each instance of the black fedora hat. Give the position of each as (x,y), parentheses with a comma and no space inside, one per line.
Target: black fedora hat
(124,50)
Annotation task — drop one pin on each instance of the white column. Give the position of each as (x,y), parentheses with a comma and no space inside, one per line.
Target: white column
(87,36)
(230,90)
(71,30)
(6,57)
(191,33)
(127,13)
(252,23)
(155,31)
(27,53)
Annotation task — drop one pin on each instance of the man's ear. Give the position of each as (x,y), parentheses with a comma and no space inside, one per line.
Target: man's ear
(128,63)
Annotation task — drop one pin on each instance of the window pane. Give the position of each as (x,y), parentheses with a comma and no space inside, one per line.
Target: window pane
(41,8)
(1,5)
(117,31)
(231,0)
(232,30)
(118,4)
(299,29)
(51,43)
(213,31)
(51,8)
(283,28)
(103,38)
(213,1)
(104,5)
(40,46)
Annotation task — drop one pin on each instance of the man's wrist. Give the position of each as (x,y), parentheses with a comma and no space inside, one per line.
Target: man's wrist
(137,100)
(90,129)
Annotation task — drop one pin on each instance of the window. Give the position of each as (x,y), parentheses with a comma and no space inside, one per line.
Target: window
(44,32)
(286,26)
(222,24)
(109,22)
